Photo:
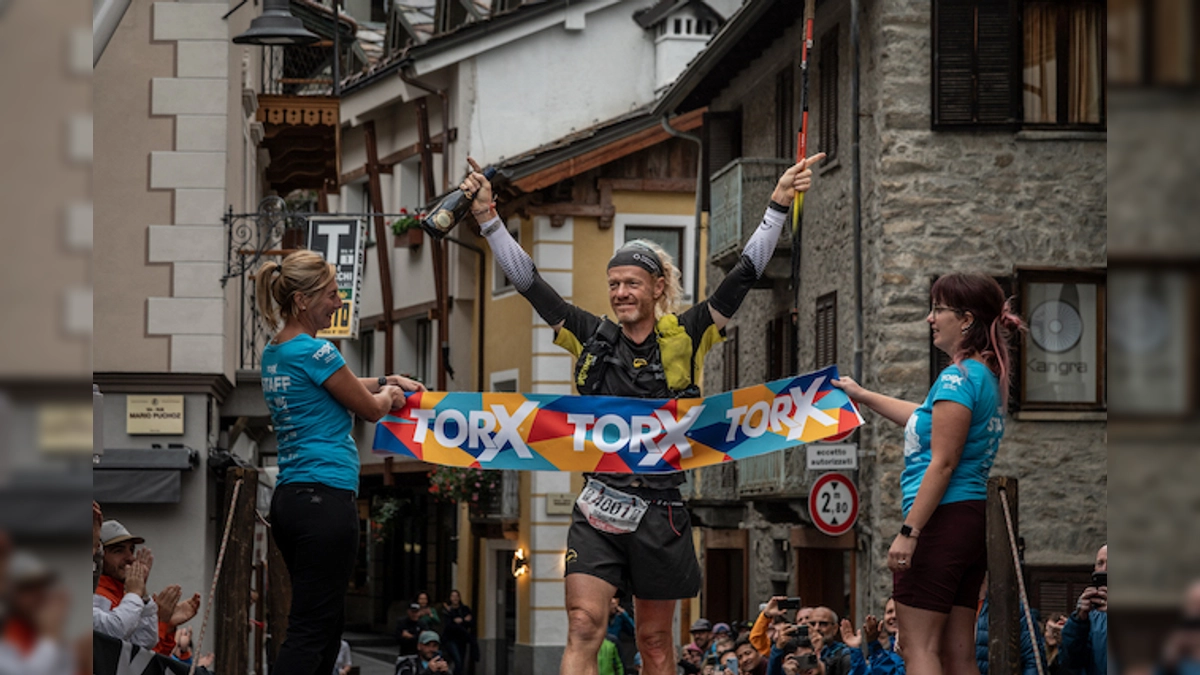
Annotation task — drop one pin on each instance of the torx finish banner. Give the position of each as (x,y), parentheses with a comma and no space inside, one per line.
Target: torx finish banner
(549,432)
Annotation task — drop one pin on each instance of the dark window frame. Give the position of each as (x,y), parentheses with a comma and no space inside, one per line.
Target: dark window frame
(785,113)
(1012,45)
(828,106)
(825,331)
(781,347)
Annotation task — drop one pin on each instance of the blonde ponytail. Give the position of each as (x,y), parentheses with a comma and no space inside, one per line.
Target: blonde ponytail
(303,272)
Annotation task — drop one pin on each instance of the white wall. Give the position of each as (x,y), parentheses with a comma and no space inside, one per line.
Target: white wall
(538,89)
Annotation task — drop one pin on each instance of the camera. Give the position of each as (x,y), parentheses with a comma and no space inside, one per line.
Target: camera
(1099,579)
(804,661)
(790,603)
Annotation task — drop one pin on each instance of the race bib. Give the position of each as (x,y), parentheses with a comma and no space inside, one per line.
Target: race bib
(607,509)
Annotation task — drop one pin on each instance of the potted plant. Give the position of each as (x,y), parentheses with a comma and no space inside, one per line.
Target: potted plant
(407,229)
(473,487)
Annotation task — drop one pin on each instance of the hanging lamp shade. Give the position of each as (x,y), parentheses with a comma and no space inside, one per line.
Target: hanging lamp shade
(276,26)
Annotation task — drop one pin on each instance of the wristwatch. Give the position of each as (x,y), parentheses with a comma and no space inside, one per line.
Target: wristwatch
(909,531)
(382,381)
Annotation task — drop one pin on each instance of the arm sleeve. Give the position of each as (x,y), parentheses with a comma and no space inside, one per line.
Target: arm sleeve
(758,635)
(775,662)
(858,664)
(120,621)
(520,270)
(1074,650)
(750,267)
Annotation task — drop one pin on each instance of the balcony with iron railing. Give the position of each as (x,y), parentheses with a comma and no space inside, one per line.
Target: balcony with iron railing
(740,191)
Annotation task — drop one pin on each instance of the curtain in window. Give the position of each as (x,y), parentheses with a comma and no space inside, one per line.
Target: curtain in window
(1040,68)
(1083,105)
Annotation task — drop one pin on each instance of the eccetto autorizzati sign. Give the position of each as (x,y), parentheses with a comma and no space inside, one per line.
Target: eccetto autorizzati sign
(547,432)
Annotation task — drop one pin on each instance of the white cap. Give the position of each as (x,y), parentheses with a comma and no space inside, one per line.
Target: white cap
(113,532)
(26,569)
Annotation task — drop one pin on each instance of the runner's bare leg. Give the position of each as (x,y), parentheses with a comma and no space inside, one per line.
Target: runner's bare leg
(654,641)
(588,601)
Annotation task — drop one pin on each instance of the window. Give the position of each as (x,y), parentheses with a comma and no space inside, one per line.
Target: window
(828,105)
(825,327)
(1152,365)
(785,123)
(380,9)
(1063,65)
(1063,355)
(781,347)
(500,283)
(729,370)
(676,234)
(505,380)
(722,144)
(1055,589)
(1004,63)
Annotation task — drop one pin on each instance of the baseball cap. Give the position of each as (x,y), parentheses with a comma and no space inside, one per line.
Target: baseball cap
(701,625)
(719,628)
(693,648)
(428,636)
(26,569)
(414,606)
(113,532)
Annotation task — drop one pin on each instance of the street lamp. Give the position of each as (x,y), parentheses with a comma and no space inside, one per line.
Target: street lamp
(276,26)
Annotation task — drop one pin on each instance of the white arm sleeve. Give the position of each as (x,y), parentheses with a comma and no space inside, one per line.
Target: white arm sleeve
(762,243)
(511,258)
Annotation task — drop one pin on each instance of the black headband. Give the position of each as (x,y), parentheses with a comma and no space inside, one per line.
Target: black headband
(638,255)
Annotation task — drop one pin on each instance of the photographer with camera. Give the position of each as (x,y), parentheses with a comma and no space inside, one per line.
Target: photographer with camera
(1085,635)
(763,632)
(794,652)
(878,660)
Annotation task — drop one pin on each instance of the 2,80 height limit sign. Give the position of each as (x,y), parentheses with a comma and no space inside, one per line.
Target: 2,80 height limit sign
(833,504)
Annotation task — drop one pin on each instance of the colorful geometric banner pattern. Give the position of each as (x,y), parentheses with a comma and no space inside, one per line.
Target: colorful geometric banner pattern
(547,432)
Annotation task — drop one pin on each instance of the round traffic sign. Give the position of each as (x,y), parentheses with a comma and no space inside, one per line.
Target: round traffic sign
(833,504)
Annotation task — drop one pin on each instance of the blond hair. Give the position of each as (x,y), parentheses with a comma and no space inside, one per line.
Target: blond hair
(672,296)
(303,272)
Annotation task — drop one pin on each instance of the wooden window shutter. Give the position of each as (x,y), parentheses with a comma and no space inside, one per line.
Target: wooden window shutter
(722,144)
(828,106)
(976,65)
(781,347)
(826,330)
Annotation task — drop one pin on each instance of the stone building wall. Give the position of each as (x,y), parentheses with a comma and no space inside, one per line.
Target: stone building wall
(932,203)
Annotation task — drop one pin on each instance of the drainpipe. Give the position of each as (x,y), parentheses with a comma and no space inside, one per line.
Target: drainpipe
(696,290)
(856,188)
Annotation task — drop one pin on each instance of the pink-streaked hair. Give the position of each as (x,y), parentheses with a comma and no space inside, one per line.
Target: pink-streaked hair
(994,322)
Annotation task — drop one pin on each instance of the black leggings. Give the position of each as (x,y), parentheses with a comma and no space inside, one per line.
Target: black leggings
(316,529)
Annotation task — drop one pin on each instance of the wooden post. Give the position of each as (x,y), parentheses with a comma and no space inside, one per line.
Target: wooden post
(383,251)
(279,601)
(260,602)
(1004,603)
(233,588)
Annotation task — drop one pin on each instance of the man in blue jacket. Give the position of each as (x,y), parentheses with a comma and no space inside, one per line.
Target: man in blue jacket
(1085,636)
(1028,656)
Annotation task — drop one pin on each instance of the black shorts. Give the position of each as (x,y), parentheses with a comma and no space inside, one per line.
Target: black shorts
(655,562)
(950,561)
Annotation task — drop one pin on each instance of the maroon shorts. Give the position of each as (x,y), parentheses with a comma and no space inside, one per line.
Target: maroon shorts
(950,562)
